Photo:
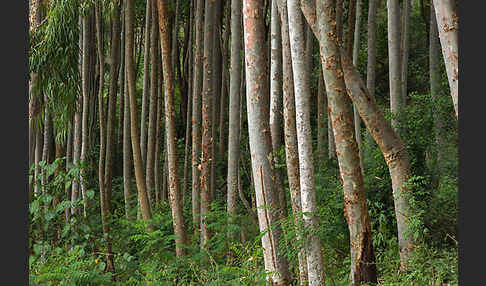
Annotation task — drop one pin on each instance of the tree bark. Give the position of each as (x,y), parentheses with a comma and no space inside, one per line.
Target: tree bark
(321,119)
(174,187)
(304,139)
(276,104)
(146,84)
(137,157)
(447,23)
(404,47)
(260,141)
(394,61)
(207,102)
(357,119)
(196,114)
(234,107)
(290,132)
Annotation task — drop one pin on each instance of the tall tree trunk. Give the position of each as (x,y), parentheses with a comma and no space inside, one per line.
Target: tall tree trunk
(121,101)
(196,113)
(351,28)
(363,268)
(77,126)
(276,104)
(371,62)
(146,83)
(150,158)
(46,148)
(234,107)
(158,139)
(137,157)
(290,135)
(174,186)
(394,61)
(304,139)
(434,74)
(447,23)
(404,47)
(207,102)
(357,120)
(260,141)
(69,156)
(105,211)
(224,84)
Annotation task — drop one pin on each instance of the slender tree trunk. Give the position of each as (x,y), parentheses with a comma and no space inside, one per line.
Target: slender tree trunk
(371,62)
(290,132)
(260,141)
(404,47)
(224,84)
(447,23)
(146,84)
(321,119)
(174,186)
(234,107)
(76,151)
(158,139)
(304,139)
(69,156)
(434,74)
(37,159)
(105,211)
(121,101)
(276,104)
(150,158)
(351,27)
(207,100)
(46,148)
(137,157)
(394,60)
(196,114)
(357,119)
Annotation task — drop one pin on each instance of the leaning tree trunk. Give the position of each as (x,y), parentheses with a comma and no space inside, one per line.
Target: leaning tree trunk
(234,108)
(304,138)
(276,104)
(447,23)
(260,141)
(363,268)
(146,83)
(394,61)
(174,186)
(137,157)
(207,100)
(196,114)
(290,132)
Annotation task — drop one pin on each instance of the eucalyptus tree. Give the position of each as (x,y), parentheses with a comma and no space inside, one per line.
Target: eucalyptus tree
(394,61)
(174,186)
(260,141)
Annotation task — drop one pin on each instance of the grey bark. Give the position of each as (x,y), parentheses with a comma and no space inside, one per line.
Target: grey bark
(394,59)
(357,119)
(146,83)
(321,119)
(404,47)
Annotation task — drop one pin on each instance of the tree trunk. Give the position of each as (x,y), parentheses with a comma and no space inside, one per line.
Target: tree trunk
(447,23)
(357,120)
(207,100)
(37,159)
(394,61)
(304,139)
(146,84)
(321,119)
(276,105)
(290,132)
(260,141)
(371,62)
(174,187)
(105,211)
(196,114)
(69,156)
(76,150)
(224,84)
(137,157)
(404,47)
(363,268)
(234,107)
(121,101)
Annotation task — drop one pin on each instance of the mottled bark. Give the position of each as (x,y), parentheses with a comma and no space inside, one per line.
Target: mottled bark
(146,83)
(363,268)
(196,113)
(234,107)
(290,135)
(447,23)
(207,100)
(394,60)
(137,157)
(260,141)
(174,187)
(276,104)
(304,138)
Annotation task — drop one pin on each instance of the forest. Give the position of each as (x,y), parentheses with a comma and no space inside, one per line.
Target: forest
(243,142)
